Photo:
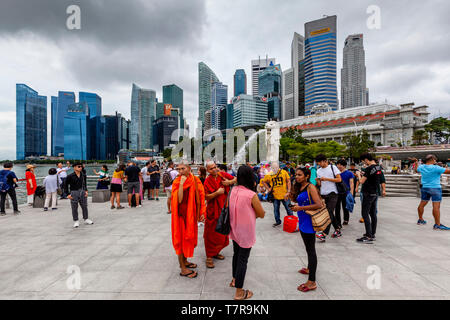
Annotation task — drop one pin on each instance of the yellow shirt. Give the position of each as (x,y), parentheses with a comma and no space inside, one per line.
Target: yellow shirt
(118,175)
(279,184)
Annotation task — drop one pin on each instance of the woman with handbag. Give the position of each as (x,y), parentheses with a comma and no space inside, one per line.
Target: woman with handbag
(244,209)
(307,198)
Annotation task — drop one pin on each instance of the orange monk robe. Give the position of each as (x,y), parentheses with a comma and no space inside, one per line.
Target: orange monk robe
(214,241)
(185,229)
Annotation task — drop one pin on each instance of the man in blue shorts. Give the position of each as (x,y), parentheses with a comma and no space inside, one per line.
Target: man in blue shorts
(431,189)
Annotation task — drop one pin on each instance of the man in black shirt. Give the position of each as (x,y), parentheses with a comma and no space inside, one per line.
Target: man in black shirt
(155,177)
(370,182)
(132,174)
(77,183)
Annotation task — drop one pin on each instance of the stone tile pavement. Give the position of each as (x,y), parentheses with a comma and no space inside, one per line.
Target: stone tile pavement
(128,254)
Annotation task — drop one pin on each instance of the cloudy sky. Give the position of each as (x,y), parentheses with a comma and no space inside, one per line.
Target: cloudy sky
(158,42)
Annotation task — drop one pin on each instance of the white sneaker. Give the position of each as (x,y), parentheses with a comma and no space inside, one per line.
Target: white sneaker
(140,206)
(88,221)
(76,224)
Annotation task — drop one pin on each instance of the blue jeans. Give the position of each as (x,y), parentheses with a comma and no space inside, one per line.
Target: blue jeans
(435,194)
(276,209)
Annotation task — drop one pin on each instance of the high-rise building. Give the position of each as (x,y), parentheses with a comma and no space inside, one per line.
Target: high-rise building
(207,123)
(172,94)
(206,77)
(230,116)
(143,113)
(287,103)
(353,74)
(162,131)
(320,63)
(270,89)
(77,135)
(301,88)
(249,111)
(159,110)
(240,82)
(116,135)
(31,123)
(59,111)
(297,54)
(94,101)
(124,133)
(219,98)
(258,66)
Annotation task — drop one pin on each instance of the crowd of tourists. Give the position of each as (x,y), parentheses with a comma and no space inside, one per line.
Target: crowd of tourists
(227,201)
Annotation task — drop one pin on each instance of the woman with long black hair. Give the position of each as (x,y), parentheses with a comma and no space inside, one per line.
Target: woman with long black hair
(307,198)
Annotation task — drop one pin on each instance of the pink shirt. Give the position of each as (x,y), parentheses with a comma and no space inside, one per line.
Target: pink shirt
(242,217)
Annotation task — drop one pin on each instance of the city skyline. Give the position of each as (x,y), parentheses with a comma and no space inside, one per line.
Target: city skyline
(399,66)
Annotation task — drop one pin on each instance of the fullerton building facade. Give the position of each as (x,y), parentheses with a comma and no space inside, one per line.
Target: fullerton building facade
(386,124)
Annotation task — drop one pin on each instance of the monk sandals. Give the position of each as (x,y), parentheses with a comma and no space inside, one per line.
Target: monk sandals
(247,295)
(191,275)
(219,257)
(209,263)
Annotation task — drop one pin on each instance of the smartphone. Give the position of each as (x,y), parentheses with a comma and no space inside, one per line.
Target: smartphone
(291,205)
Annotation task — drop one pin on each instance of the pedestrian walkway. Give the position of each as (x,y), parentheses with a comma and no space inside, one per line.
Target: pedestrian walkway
(127,254)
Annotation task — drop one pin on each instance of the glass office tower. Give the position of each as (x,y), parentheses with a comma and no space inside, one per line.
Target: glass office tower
(249,111)
(143,113)
(77,137)
(31,123)
(59,111)
(206,78)
(172,94)
(94,102)
(320,63)
(240,82)
(270,88)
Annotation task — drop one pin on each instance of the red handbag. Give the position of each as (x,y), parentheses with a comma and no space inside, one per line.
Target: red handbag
(290,224)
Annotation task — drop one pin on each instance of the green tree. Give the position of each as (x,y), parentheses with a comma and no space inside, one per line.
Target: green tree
(294,134)
(358,144)
(420,137)
(308,152)
(440,128)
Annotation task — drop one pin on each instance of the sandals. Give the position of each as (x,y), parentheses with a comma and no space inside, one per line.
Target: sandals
(232,284)
(303,271)
(194,273)
(210,264)
(219,257)
(304,288)
(191,265)
(247,295)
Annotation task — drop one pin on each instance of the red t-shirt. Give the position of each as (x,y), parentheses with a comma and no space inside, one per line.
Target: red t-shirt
(29,175)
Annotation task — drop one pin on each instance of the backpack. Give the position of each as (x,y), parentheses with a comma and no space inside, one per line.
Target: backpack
(167,179)
(4,185)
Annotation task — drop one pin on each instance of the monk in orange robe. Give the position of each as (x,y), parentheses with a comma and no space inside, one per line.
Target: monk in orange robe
(216,190)
(188,208)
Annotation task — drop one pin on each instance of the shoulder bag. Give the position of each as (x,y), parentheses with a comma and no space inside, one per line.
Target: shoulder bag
(270,196)
(320,217)
(223,223)
(341,186)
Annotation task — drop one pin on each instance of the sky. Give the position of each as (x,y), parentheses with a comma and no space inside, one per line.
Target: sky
(158,42)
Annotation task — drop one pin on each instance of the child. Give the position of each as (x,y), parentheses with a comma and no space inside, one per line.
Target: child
(51,188)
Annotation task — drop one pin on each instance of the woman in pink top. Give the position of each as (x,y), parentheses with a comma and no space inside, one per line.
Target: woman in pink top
(244,207)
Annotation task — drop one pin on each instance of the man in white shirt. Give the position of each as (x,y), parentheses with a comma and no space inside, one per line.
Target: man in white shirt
(146,181)
(173,174)
(62,176)
(327,177)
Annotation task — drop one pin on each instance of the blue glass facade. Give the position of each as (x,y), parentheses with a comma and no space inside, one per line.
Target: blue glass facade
(240,82)
(77,139)
(219,98)
(270,89)
(320,63)
(59,111)
(230,116)
(31,123)
(93,101)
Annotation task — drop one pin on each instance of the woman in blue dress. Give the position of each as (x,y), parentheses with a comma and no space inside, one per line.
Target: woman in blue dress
(307,198)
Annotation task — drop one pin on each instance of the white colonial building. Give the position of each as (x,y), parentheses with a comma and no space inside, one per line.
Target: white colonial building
(386,124)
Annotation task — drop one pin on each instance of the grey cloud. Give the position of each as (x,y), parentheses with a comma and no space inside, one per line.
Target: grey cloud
(115,23)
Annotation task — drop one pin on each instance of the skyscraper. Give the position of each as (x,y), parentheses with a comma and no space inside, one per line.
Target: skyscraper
(258,66)
(297,54)
(249,111)
(59,111)
(320,63)
(270,89)
(94,101)
(240,82)
(77,136)
(206,78)
(353,74)
(31,123)
(97,124)
(143,113)
(172,94)
(287,104)
(116,135)
(219,98)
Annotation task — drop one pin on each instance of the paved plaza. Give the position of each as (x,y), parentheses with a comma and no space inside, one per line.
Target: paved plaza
(128,254)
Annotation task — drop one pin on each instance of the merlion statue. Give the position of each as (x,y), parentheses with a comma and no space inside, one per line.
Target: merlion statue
(273,141)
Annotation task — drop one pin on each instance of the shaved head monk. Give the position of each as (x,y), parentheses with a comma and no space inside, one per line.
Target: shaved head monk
(217,186)
(188,208)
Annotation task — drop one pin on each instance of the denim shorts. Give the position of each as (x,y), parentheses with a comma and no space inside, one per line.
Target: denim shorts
(434,193)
